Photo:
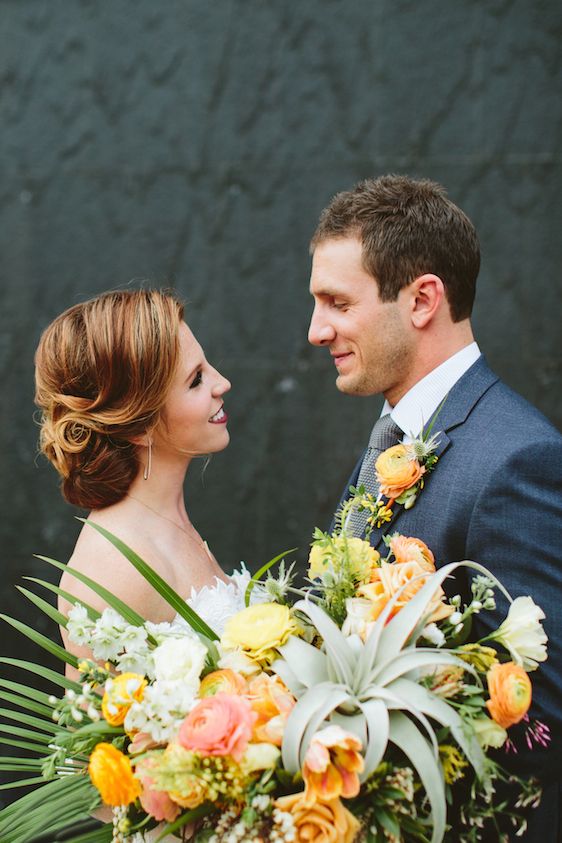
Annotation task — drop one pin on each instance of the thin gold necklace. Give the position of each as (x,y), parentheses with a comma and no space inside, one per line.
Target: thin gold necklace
(197,540)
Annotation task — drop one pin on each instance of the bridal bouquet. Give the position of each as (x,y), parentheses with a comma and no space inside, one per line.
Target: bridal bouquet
(351,709)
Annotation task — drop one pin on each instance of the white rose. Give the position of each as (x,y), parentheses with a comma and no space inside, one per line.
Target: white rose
(359,617)
(180,660)
(259,756)
(522,634)
(489,733)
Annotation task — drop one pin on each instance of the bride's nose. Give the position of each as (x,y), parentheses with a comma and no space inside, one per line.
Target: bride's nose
(221,385)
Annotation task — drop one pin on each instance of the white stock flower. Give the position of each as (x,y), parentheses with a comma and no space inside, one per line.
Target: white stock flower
(80,627)
(134,639)
(522,634)
(434,635)
(161,711)
(107,637)
(139,661)
(180,659)
(237,661)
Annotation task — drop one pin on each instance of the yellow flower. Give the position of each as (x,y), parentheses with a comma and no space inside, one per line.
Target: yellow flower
(112,774)
(453,763)
(120,693)
(480,657)
(259,630)
(362,558)
(390,578)
(488,732)
(397,471)
(331,765)
(510,693)
(321,822)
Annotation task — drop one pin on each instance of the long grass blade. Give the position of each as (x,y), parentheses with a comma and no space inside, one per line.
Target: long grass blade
(33,747)
(45,607)
(42,641)
(44,672)
(70,598)
(25,691)
(160,585)
(27,704)
(43,725)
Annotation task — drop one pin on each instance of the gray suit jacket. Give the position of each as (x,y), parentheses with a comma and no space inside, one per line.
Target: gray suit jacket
(495,497)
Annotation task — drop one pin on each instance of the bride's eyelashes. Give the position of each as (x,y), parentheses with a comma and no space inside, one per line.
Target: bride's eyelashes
(196,380)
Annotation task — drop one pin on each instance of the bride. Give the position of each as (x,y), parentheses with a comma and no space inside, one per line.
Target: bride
(128,398)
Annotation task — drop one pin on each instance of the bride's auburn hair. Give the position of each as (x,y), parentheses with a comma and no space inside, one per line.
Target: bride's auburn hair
(103,370)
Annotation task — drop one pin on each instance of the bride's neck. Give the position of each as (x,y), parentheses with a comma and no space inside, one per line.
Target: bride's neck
(162,490)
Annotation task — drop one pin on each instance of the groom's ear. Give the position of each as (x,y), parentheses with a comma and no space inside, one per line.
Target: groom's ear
(427,294)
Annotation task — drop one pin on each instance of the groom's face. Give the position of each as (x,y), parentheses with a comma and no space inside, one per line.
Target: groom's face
(370,341)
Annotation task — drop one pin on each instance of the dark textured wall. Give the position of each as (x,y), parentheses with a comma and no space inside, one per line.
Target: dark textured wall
(195,143)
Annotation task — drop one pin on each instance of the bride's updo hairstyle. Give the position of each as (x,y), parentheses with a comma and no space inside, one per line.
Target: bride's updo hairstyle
(103,370)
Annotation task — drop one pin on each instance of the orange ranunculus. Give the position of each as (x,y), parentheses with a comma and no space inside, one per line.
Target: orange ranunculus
(319,822)
(331,764)
(120,693)
(155,802)
(112,774)
(396,471)
(390,578)
(218,725)
(510,693)
(409,549)
(225,681)
(272,703)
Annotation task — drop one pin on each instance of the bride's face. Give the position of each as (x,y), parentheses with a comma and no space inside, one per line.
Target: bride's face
(194,421)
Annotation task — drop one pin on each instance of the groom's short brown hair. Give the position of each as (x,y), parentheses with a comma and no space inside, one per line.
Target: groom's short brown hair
(407,227)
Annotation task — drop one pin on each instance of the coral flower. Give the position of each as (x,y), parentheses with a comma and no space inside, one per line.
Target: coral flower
(397,471)
(224,681)
(406,578)
(218,725)
(120,693)
(272,703)
(331,764)
(319,822)
(406,549)
(155,802)
(112,774)
(510,693)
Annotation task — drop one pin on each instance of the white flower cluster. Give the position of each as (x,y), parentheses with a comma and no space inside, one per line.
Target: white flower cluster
(175,665)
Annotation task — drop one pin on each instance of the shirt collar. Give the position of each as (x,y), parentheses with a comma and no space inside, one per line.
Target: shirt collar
(415,409)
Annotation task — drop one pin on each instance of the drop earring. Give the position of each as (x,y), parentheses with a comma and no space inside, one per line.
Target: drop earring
(148,465)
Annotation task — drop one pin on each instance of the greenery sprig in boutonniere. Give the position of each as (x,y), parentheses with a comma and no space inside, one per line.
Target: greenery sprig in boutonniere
(401,471)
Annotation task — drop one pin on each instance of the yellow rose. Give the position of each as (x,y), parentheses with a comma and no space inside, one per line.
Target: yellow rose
(320,822)
(409,549)
(396,471)
(510,693)
(112,774)
(120,693)
(259,630)
(390,578)
(362,558)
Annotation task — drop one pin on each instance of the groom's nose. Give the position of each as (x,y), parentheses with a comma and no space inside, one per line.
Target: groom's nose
(320,331)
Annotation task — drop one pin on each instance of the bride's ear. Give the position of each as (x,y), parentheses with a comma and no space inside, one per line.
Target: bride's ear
(143,440)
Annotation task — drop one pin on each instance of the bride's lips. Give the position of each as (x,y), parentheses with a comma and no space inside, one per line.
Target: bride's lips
(219,417)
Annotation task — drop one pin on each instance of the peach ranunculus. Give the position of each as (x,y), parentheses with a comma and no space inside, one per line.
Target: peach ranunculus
(157,803)
(120,693)
(331,765)
(224,681)
(390,578)
(321,822)
(272,703)
(510,693)
(218,725)
(409,549)
(111,772)
(397,471)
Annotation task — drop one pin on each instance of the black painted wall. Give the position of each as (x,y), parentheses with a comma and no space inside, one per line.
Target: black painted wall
(195,143)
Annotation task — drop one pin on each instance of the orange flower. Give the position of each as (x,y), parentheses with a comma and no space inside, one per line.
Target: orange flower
(120,693)
(331,765)
(390,578)
(272,703)
(409,549)
(222,681)
(218,725)
(321,822)
(112,774)
(396,472)
(510,693)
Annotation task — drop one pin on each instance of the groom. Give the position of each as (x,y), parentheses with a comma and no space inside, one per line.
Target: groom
(393,278)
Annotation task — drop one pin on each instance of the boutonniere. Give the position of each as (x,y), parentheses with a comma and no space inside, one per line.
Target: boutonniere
(400,471)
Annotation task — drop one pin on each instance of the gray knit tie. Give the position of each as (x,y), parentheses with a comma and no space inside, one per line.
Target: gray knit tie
(384,434)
